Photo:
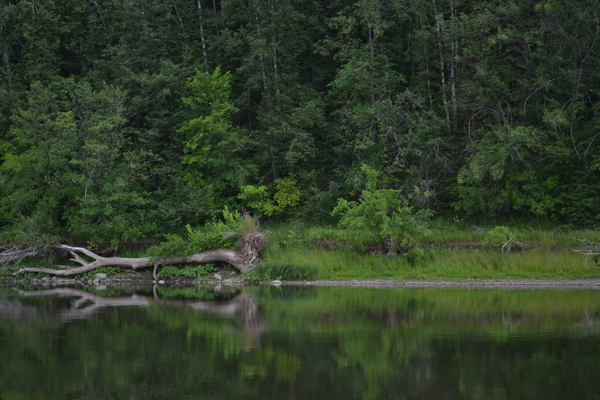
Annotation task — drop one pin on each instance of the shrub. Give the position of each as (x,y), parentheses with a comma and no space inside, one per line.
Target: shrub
(188,271)
(499,235)
(213,235)
(286,197)
(381,215)
(503,236)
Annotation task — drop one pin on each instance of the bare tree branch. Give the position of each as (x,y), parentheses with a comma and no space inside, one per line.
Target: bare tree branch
(243,260)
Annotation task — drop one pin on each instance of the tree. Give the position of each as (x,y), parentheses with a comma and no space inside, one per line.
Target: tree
(382,215)
(526,111)
(503,173)
(382,123)
(68,169)
(211,141)
(278,80)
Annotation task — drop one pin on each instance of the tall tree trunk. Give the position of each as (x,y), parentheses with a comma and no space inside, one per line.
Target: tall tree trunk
(260,56)
(202,36)
(428,80)
(104,24)
(178,16)
(274,46)
(453,73)
(440,30)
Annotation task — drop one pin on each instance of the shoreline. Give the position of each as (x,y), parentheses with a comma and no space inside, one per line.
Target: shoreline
(508,283)
(487,283)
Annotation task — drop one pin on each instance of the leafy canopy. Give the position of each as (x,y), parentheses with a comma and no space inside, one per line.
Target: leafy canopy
(286,197)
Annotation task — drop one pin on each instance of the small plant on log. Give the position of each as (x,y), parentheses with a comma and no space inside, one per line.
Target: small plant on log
(501,235)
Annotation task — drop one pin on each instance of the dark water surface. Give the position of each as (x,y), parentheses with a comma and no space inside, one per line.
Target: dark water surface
(299,343)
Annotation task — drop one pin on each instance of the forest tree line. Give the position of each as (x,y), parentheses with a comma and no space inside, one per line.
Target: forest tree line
(123,120)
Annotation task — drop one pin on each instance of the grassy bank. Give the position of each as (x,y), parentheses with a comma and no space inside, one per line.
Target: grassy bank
(446,252)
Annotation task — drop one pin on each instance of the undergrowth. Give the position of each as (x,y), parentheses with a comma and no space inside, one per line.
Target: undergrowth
(187,271)
(452,249)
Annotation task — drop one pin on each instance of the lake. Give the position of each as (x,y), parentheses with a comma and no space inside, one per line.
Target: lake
(265,342)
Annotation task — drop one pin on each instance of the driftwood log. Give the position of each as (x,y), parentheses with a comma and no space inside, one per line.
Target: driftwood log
(243,259)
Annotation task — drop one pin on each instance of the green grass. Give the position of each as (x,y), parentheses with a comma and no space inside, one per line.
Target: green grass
(530,236)
(442,254)
(439,264)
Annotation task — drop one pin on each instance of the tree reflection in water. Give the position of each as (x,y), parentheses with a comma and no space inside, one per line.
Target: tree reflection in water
(85,304)
(349,343)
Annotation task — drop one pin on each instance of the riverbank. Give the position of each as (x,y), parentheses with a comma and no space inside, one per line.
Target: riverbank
(436,266)
(490,283)
(448,257)
(450,251)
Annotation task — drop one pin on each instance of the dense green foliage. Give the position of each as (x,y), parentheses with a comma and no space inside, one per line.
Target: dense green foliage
(212,235)
(381,216)
(125,120)
(188,271)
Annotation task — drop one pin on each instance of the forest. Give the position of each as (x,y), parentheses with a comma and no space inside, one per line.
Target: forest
(124,120)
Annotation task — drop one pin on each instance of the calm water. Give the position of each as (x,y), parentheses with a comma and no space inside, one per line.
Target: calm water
(299,343)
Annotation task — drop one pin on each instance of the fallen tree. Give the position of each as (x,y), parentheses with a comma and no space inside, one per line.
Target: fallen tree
(195,249)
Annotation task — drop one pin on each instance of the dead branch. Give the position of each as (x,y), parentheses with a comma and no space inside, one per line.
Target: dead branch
(25,246)
(243,260)
(591,250)
(506,247)
(588,253)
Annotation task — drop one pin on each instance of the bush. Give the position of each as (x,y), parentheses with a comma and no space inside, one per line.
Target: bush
(213,235)
(188,271)
(381,215)
(502,236)
(286,197)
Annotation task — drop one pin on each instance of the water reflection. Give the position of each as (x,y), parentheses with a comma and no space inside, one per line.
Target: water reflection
(83,304)
(265,342)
